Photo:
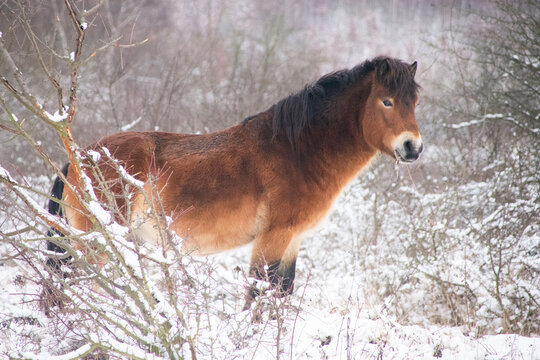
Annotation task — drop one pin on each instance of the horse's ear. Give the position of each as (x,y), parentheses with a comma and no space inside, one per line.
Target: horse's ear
(383,68)
(412,68)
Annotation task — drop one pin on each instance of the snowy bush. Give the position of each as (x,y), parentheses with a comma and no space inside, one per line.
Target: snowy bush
(456,240)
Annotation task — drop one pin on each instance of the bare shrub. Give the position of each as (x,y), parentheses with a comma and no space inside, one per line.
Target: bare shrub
(111,295)
(463,240)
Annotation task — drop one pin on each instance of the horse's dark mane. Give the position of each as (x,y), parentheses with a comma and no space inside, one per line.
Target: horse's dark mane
(310,106)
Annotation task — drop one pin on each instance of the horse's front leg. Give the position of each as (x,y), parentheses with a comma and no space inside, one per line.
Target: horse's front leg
(274,260)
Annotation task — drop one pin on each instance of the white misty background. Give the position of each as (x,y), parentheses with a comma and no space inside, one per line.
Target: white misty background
(450,242)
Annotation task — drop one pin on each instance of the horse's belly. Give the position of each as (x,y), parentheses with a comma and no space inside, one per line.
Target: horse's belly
(221,226)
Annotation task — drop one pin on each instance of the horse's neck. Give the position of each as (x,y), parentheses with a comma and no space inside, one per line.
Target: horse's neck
(338,151)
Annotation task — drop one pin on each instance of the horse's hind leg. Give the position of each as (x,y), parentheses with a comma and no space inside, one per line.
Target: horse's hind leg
(274,260)
(50,295)
(55,208)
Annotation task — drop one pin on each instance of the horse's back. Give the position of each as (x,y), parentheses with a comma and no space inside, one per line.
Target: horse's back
(210,184)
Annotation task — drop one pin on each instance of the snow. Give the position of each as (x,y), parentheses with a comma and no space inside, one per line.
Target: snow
(94,155)
(122,171)
(476,121)
(103,216)
(488,117)
(71,355)
(131,124)
(94,207)
(28,199)
(56,117)
(127,350)
(130,179)
(5,174)
(327,316)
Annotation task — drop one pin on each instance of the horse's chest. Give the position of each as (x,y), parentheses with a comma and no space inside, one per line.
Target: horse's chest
(302,211)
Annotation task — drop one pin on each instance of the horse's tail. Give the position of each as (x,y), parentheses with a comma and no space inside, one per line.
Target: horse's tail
(55,208)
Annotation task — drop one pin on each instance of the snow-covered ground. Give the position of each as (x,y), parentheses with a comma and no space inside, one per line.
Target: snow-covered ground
(322,320)
(331,315)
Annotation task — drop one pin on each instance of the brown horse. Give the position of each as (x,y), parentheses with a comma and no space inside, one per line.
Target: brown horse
(272,177)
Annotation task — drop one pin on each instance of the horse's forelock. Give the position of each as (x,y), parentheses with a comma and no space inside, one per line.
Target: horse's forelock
(396,76)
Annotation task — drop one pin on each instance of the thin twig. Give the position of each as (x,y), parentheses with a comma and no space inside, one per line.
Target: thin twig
(32,37)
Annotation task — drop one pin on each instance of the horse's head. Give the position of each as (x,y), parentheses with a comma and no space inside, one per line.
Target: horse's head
(389,123)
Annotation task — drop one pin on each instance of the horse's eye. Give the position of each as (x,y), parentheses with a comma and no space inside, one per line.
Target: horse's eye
(387,103)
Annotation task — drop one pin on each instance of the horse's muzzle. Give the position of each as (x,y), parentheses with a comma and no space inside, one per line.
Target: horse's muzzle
(409,150)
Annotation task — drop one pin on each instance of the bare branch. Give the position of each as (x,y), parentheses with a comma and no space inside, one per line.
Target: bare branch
(17,74)
(32,37)
(92,11)
(60,29)
(76,60)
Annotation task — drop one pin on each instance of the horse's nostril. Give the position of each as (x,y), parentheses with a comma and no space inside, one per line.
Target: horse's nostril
(408,146)
(421,148)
